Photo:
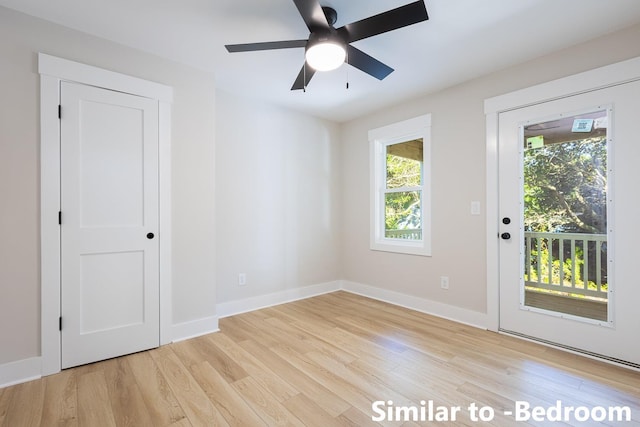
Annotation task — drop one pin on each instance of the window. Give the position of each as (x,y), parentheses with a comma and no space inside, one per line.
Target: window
(400,187)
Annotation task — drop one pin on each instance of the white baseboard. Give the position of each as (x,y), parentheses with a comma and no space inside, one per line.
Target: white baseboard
(435,308)
(30,369)
(25,370)
(194,328)
(446,311)
(230,308)
(20,371)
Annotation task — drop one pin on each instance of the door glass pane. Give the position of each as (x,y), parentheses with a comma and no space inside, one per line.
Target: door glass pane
(565,215)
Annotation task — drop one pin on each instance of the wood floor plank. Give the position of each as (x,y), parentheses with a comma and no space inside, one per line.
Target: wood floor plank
(249,323)
(309,341)
(280,332)
(324,397)
(61,399)
(375,389)
(201,349)
(306,409)
(129,408)
(323,361)
(161,402)
(94,407)
(25,406)
(5,398)
(193,400)
(355,418)
(259,371)
(265,405)
(224,397)
(355,396)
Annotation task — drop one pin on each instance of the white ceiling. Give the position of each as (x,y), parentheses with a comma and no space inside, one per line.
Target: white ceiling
(463,39)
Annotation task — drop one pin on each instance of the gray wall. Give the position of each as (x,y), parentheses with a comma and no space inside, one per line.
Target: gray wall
(458,177)
(21,38)
(277,198)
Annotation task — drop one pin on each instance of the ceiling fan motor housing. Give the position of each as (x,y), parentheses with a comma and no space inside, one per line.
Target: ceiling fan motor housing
(331,15)
(324,36)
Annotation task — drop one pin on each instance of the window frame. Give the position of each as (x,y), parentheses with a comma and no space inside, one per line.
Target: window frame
(379,139)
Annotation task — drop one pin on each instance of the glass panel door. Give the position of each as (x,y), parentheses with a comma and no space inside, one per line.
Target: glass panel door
(568,205)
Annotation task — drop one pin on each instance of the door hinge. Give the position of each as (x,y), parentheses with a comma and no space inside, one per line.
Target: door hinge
(59,217)
(60,323)
(59,111)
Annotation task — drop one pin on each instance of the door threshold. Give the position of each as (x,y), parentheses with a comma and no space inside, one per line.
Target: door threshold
(589,354)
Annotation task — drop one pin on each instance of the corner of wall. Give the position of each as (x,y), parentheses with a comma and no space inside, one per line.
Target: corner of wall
(434,308)
(194,328)
(231,308)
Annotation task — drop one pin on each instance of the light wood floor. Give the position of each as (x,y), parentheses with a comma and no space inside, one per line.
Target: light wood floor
(320,362)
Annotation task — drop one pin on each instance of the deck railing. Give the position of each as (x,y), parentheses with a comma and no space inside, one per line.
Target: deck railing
(567,262)
(414,234)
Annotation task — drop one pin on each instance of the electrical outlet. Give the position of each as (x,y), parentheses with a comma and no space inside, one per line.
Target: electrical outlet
(242,279)
(444,282)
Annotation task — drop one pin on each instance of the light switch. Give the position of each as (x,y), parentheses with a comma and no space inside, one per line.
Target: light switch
(475,208)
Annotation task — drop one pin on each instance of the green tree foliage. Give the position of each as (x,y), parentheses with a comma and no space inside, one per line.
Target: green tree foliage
(565,190)
(565,187)
(403,208)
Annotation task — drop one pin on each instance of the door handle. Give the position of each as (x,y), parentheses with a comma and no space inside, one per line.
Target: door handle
(150,236)
(505,236)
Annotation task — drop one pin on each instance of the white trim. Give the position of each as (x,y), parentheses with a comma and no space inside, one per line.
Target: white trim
(53,71)
(423,305)
(400,130)
(194,328)
(232,308)
(164,182)
(20,371)
(599,78)
(587,81)
(49,228)
(64,69)
(493,276)
(379,139)
(434,308)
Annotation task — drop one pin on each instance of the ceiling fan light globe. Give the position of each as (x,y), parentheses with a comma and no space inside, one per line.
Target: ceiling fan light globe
(325,56)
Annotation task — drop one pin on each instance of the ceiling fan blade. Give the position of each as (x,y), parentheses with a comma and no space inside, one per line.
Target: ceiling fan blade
(304,77)
(367,63)
(249,47)
(312,14)
(390,20)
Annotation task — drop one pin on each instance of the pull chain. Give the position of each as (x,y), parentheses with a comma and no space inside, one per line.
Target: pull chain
(347,62)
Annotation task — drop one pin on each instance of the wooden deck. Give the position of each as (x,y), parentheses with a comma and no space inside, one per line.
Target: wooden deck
(322,362)
(562,304)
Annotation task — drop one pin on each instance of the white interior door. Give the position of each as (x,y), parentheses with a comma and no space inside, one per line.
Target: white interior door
(572,281)
(109,200)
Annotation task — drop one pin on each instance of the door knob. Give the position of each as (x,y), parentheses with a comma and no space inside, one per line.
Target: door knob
(506,220)
(505,236)
(150,236)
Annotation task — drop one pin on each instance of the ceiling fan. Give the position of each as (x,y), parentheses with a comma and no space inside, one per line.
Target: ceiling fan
(328,47)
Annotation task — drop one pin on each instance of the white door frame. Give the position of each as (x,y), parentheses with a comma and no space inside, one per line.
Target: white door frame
(52,71)
(599,78)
